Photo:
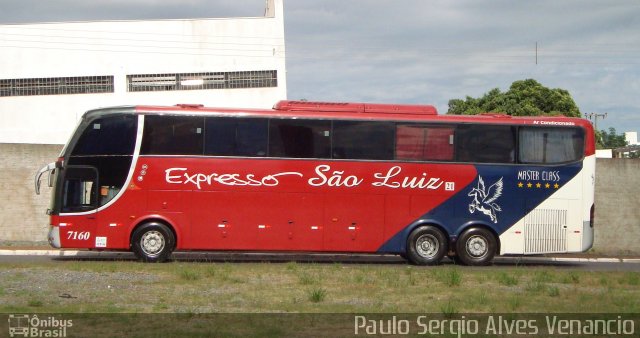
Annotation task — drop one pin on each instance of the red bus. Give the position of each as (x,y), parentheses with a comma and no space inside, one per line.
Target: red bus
(324,177)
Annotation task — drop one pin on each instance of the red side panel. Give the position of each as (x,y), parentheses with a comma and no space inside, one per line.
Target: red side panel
(243,204)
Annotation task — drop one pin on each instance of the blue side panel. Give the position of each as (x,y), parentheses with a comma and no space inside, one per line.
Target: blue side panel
(498,198)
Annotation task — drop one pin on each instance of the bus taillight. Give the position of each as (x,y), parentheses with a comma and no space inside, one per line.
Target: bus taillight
(592,215)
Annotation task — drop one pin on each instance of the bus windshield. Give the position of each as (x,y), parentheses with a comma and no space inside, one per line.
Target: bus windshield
(99,162)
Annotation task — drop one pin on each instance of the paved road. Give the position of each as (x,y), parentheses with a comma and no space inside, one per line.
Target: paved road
(563,262)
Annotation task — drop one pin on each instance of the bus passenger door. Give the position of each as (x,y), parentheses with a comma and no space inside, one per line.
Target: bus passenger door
(353,222)
(78,215)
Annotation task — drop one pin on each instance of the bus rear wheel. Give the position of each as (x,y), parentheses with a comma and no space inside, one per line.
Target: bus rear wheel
(476,246)
(153,242)
(426,245)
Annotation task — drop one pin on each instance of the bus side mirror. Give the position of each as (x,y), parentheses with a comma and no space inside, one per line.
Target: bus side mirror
(47,168)
(50,178)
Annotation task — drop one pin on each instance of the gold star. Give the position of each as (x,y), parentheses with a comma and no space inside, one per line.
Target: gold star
(520,185)
(538,185)
(547,185)
(529,185)
(556,185)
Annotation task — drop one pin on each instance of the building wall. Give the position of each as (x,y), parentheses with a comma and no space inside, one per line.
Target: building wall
(617,226)
(22,212)
(121,48)
(23,218)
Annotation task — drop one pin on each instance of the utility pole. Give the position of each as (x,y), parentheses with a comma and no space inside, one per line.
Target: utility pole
(595,117)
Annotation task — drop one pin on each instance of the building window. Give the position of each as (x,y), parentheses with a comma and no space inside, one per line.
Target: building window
(56,86)
(200,81)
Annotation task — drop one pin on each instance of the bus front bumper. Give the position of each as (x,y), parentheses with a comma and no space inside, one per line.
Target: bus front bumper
(54,236)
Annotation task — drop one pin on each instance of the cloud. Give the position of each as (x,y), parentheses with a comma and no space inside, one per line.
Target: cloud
(432,51)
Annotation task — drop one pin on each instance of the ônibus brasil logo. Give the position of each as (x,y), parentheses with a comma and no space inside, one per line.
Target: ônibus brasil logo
(24,325)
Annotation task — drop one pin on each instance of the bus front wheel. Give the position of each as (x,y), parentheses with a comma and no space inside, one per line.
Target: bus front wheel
(153,242)
(476,246)
(426,245)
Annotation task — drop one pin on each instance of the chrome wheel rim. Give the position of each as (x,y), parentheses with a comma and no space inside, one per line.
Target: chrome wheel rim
(477,246)
(152,243)
(427,246)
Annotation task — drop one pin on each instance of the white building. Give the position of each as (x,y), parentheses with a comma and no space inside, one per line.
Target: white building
(604,153)
(632,138)
(51,73)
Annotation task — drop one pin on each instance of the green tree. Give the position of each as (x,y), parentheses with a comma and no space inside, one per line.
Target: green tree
(609,140)
(524,98)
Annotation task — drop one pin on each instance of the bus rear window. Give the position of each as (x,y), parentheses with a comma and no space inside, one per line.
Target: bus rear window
(550,145)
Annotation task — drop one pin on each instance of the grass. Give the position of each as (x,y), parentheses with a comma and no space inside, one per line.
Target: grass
(507,279)
(631,279)
(199,287)
(571,278)
(35,303)
(305,278)
(317,295)
(189,274)
(448,310)
(449,276)
(553,291)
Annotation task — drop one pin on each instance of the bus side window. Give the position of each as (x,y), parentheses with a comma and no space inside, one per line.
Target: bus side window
(233,136)
(485,144)
(424,143)
(299,138)
(548,145)
(172,135)
(363,140)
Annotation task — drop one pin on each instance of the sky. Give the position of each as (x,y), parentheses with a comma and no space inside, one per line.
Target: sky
(423,51)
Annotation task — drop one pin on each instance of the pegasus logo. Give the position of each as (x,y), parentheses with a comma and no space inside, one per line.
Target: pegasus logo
(484,199)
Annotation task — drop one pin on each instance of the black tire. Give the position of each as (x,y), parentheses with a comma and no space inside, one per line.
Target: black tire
(476,246)
(426,245)
(153,242)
